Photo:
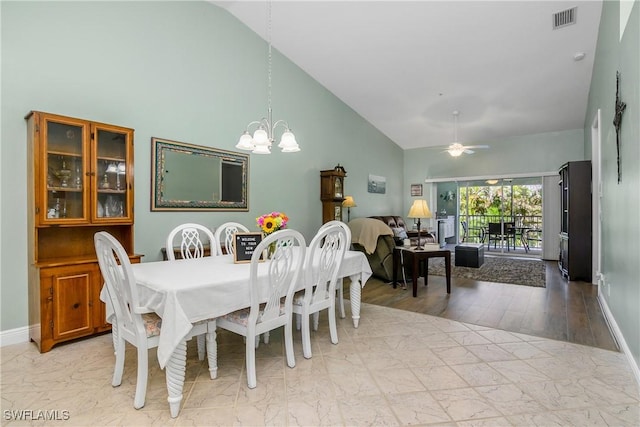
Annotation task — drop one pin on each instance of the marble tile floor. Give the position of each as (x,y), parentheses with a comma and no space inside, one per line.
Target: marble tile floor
(398,368)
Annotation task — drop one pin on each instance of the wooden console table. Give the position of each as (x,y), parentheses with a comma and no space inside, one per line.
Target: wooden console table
(420,257)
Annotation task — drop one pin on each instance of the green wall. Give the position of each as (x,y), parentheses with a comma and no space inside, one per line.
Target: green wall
(190,72)
(620,201)
(184,71)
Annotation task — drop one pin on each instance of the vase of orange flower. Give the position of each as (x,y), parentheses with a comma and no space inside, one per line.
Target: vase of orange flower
(268,223)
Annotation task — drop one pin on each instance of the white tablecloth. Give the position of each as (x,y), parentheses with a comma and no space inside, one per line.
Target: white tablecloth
(183,292)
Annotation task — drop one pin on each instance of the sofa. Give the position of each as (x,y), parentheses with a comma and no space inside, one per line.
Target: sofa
(401,232)
(380,253)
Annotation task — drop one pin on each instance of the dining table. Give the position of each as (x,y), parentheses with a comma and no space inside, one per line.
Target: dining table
(186,291)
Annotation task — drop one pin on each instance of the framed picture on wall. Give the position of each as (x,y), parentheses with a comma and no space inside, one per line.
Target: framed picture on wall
(377,184)
(416,190)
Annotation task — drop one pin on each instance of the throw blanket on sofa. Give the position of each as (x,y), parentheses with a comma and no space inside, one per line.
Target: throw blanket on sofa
(365,231)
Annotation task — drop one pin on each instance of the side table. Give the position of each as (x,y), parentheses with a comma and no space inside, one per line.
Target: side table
(418,257)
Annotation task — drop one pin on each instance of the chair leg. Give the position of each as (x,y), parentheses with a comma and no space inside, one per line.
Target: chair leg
(306,335)
(250,356)
(340,290)
(114,336)
(141,381)
(288,344)
(119,364)
(333,330)
(316,320)
(265,337)
(201,346)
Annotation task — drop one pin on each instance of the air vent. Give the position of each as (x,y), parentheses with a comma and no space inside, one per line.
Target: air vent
(563,18)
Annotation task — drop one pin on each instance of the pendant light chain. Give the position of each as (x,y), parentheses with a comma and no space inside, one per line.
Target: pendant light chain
(264,135)
(455,126)
(269,58)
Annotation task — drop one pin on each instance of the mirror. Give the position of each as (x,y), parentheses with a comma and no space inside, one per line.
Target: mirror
(192,177)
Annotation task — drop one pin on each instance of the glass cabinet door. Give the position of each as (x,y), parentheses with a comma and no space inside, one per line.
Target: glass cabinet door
(65,166)
(113,177)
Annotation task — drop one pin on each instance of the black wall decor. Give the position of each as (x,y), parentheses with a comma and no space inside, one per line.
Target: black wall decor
(617,120)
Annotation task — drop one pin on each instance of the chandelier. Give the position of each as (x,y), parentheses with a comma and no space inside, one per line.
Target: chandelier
(264,134)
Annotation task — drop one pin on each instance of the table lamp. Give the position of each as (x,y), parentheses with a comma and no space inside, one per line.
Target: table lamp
(418,210)
(348,203)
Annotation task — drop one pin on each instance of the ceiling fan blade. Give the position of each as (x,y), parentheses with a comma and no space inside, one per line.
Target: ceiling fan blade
(467,151)
(476,146)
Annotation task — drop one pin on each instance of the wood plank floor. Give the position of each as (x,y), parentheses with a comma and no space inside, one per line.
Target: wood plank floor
(565,311)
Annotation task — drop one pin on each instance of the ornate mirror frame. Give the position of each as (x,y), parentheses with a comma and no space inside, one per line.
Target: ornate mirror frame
(188,177)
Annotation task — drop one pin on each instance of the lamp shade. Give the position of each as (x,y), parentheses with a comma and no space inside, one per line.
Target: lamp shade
(288,139)
(288,142)
(348,202)
(261,149)
(245,142)
(419,209)
(260,137)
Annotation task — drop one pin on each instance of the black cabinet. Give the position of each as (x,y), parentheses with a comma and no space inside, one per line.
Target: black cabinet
(575,226)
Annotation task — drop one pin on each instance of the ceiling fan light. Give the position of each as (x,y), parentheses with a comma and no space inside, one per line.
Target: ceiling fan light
(456,149)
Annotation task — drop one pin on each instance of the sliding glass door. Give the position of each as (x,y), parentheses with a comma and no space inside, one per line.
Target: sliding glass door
(505,214)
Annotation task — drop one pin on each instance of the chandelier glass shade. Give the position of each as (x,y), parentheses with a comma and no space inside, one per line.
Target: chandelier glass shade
(264,133)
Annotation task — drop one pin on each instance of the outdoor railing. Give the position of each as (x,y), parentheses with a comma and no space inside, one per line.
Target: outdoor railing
(478,224)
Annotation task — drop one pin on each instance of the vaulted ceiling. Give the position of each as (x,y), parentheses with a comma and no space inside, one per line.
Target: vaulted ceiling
(405,66)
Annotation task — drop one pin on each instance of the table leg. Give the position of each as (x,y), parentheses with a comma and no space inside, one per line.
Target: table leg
(174,373)
(425,269)
(355,290)
(415,272)
(212,349)
(394,266)
(447,264)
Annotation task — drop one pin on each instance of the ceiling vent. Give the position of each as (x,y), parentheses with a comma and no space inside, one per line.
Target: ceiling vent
(564,17)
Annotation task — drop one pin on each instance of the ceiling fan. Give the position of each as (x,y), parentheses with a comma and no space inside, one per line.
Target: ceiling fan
(455,149)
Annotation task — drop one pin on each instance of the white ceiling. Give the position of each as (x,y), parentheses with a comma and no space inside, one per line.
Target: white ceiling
(405,66)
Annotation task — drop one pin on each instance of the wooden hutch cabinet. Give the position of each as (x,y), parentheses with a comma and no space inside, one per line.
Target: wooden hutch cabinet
(332,193)
(575,227)
(80,182)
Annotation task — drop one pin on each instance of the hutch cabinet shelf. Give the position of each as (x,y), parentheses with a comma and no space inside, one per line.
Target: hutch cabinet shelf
(80,182)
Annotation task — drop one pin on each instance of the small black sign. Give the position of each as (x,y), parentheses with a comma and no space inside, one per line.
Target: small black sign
(243,246)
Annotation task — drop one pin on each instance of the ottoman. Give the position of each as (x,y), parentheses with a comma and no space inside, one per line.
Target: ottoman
(469,255)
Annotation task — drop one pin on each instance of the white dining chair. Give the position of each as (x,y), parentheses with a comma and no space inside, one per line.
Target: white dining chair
(191,244)
(132,324)
(225,233)
(339,284)
(323,260)
(278,285)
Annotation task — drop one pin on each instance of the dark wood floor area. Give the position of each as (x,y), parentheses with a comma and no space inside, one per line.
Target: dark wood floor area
(566,311)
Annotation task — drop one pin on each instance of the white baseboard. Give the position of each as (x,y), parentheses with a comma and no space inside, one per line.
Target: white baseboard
(617,334)
(14,336)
